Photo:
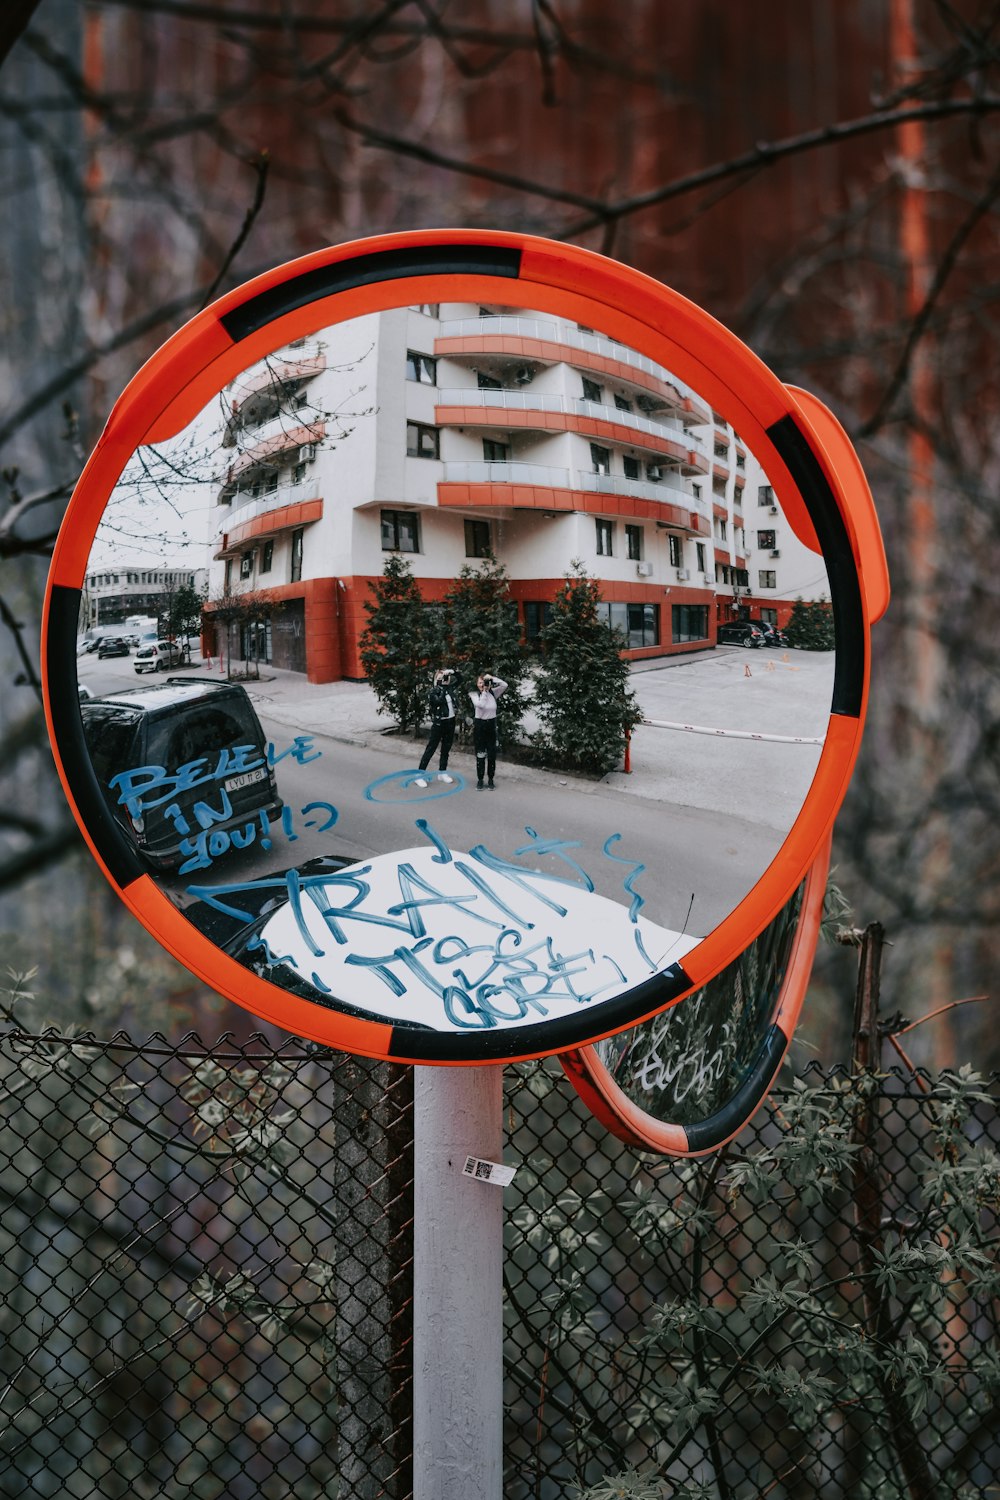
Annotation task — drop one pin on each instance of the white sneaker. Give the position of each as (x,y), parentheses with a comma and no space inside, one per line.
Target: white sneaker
(443,776)
(420,781)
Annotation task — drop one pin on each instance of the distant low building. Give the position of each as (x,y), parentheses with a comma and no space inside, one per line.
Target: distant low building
(111,595)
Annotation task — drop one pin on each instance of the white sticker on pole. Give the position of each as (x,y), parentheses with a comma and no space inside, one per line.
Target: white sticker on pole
(488,1171)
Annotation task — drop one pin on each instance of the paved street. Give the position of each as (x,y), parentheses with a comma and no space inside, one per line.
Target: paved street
(704,813)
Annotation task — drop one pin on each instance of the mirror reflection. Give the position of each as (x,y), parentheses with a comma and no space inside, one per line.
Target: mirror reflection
(455,663)
(686,1064)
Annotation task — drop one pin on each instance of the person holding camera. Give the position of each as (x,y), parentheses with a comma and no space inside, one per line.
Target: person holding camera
(442,711)
(484,726)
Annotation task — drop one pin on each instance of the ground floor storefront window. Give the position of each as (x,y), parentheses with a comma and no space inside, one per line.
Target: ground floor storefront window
(689,622)
(638,623)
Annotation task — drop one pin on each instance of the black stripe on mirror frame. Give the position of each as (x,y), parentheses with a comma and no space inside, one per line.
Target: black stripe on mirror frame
(493,1045)
(845,587)
(363,270)
(709,1133)
(67,728)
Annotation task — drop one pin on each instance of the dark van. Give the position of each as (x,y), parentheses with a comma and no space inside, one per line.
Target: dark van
(177,759)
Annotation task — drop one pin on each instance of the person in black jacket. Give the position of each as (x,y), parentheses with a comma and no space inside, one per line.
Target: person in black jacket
(442,710)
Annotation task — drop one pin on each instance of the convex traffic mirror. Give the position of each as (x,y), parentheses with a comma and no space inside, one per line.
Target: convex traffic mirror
(291,491)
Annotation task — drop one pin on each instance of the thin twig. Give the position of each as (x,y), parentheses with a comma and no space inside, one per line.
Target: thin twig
(918,326)
(260,164)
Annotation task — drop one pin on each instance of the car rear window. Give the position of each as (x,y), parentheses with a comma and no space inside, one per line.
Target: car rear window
(203,729)
(109,730)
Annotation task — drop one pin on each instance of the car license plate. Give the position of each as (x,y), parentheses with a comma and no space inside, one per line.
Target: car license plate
(236,783)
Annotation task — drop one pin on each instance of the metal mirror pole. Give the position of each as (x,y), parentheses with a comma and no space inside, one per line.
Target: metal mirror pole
(457,1290)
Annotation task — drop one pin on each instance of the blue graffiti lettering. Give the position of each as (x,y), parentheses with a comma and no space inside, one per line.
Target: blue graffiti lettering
(638,902)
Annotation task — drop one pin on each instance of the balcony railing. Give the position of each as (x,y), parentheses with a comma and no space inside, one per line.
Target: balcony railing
(507,473)
(639,489)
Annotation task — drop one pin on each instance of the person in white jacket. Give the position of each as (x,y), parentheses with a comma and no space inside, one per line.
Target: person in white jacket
(484,726)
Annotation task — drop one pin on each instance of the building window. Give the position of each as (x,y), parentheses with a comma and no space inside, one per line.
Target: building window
(536,616)
(477,539)
(400,531)
(494,452)
(726,573)
(298,473)
(421,367)
(298,538)
(676,551)
(700,549)
(765,540)
(767,578)
(600,459)
(271,481)
(690,622)
(722,527)
(741,577)
(765,494)
(633,543)
(488,382)
(227,582)
(246,565)
(622,403)
(421,441)
(654,473)
(631,467)
(770,617)
(266,557)
(605,530)
(592,391)
(638,623)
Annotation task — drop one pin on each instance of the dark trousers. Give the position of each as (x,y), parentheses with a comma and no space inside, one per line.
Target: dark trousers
(442,733)
(484,742)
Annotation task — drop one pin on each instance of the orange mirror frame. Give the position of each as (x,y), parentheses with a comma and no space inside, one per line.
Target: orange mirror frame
(805,453)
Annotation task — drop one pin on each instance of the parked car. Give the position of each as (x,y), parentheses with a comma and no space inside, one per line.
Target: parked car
(156,655)
(172,725)
(772,635)
(114,645)
(740,633)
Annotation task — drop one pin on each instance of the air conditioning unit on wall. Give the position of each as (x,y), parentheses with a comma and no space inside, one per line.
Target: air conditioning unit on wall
(307,453)
(644,569)
(683,575)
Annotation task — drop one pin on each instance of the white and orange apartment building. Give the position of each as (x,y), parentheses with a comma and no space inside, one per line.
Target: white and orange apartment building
(450,432)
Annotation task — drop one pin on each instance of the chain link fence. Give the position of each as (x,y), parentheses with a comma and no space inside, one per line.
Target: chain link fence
(206,1285)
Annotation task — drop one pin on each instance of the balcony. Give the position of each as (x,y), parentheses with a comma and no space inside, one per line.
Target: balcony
(690,453)
(568,336)
(238,516)
(539,486)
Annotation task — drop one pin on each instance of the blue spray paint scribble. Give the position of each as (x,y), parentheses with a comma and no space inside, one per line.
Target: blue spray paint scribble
(638,902)
(404,780)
